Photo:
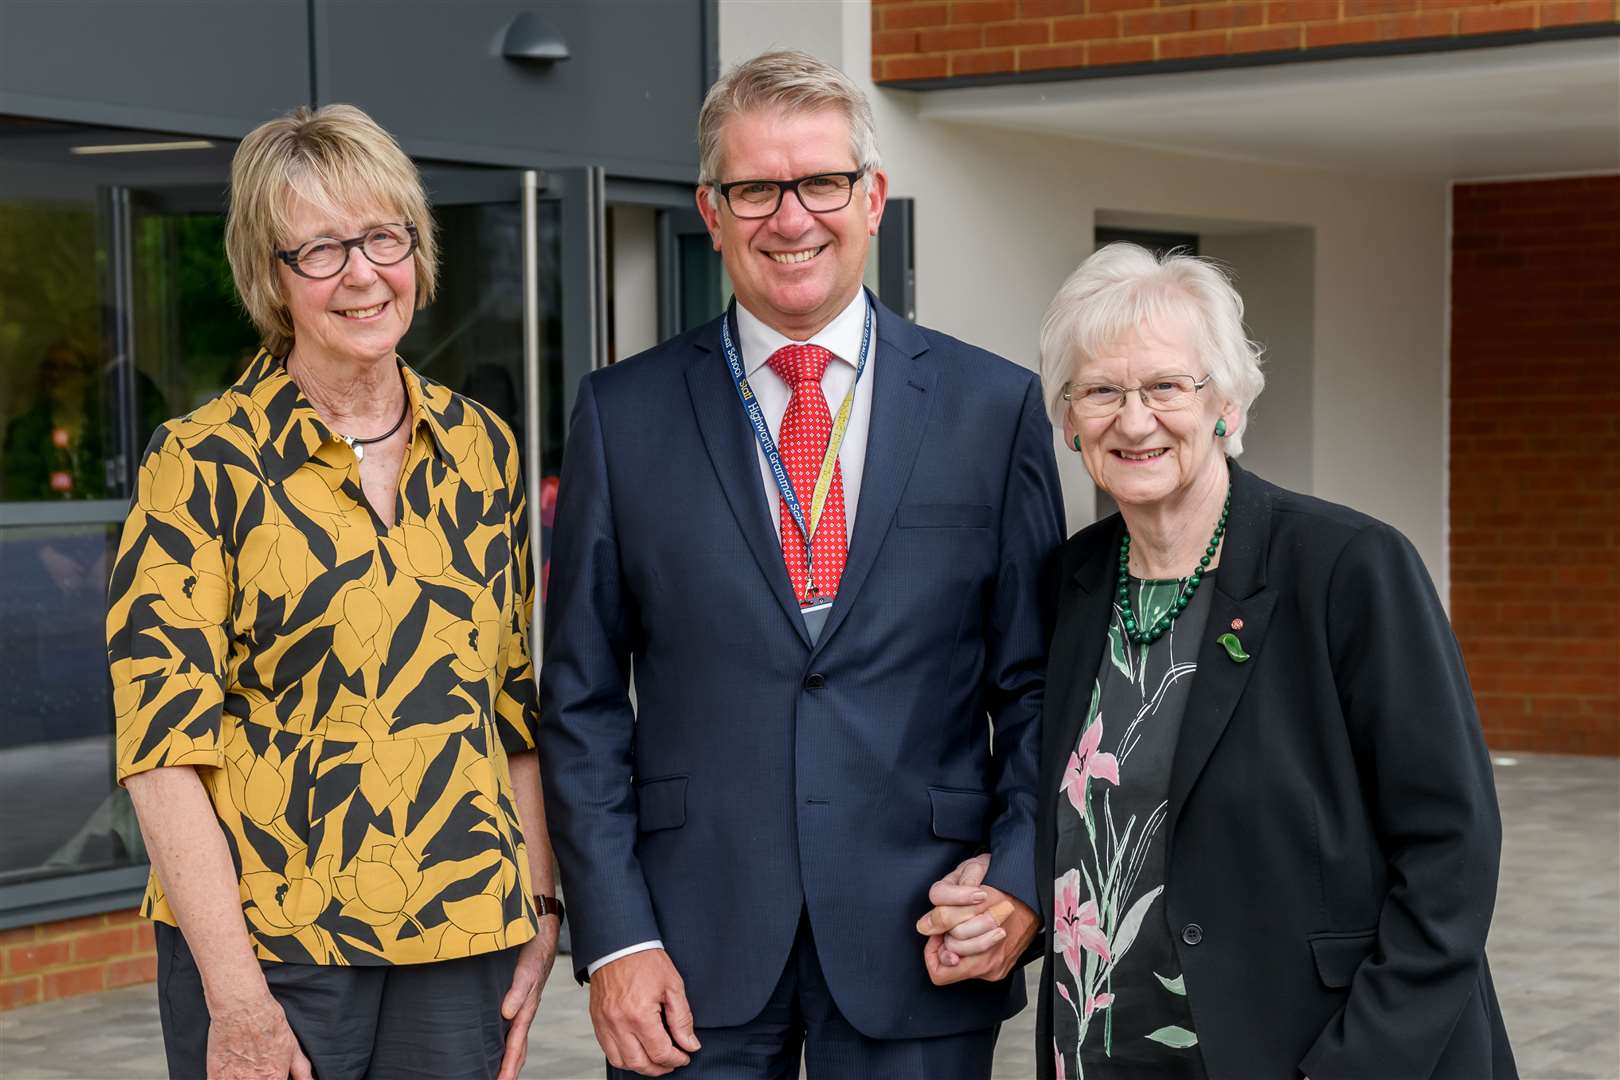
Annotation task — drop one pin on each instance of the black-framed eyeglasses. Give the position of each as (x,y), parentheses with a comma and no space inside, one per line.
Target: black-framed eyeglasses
(326,256)
(1165,393)
(821,193)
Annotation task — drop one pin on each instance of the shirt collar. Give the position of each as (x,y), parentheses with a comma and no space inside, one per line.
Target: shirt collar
(841,337)
(289,431)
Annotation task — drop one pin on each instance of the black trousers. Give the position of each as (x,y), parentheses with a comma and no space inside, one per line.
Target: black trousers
(802,1018)
(437,1021)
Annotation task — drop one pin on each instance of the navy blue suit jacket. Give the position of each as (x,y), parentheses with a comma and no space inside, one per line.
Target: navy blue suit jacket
(758,774)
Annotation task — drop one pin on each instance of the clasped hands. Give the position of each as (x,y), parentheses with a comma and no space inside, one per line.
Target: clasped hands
(974,931)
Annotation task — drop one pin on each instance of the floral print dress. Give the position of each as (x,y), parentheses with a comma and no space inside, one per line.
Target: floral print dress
(1120,1011)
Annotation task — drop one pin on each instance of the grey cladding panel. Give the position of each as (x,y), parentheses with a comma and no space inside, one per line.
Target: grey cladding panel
(433,74)
(210,68)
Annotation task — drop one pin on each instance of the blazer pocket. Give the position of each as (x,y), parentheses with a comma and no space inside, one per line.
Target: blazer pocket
(960,815)
(661,803)
(1338,954)
(943,516)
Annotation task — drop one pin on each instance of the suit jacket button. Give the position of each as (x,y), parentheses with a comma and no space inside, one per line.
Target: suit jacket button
(815,681)
(1192,933)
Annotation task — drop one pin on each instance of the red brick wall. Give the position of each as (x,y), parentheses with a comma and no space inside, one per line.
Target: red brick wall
(1535,459)
(935,39)
(75,956)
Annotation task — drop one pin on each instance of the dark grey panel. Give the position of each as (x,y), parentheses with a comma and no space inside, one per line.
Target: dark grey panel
(30,902)
(205,67)
(432,73)
(897,257)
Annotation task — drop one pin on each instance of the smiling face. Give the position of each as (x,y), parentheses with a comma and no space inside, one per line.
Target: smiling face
(1139,456)
(360,313)
(794,270)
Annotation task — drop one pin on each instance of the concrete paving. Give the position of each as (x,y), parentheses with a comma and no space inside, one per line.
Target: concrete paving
(1554,948)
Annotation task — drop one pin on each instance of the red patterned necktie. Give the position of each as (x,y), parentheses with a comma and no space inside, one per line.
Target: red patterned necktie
(802,442)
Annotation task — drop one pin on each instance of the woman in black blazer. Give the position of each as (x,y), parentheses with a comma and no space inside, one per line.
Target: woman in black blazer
(1269,833)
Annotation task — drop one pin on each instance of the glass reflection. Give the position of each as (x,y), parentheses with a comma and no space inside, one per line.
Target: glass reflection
(50,345)
(117,312)
(59,806)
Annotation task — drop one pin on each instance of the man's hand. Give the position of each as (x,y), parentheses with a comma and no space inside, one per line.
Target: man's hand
(639,1011)
(523,999)
(253,1042)
(975,931)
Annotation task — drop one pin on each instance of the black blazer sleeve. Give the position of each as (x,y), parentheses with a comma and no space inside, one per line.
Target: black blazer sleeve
(1431,798)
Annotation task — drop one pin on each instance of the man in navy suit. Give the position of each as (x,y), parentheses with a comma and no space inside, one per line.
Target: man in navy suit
(813,533)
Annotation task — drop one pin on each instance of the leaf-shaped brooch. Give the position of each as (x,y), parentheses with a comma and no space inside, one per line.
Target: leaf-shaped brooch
(1233,647)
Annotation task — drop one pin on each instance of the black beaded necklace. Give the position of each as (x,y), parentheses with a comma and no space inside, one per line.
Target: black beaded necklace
(1153,633)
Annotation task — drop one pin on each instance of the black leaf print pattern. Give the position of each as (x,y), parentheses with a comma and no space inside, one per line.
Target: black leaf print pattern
(352,689)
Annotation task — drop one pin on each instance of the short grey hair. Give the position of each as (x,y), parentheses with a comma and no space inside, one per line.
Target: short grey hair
(788,80)
(1123,287)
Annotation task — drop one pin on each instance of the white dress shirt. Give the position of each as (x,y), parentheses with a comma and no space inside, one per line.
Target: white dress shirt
(842,338)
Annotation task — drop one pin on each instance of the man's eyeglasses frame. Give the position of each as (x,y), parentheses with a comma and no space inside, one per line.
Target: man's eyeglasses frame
(785,186)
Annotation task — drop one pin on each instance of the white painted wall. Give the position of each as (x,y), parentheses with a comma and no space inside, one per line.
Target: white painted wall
(1275,271)
(1003,216)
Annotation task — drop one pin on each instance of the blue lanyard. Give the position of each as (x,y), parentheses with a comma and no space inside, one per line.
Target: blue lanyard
(762,432)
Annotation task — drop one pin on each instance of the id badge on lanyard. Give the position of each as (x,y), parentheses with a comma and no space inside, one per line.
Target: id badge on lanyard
(815,605)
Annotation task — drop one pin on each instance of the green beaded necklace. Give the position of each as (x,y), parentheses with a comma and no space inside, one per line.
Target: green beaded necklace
(1157,630)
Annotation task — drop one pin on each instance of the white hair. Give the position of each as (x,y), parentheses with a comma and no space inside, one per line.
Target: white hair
(1123,288)
(787,80)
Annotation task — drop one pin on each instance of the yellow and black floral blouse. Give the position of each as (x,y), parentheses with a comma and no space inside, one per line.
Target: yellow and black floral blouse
(347,691)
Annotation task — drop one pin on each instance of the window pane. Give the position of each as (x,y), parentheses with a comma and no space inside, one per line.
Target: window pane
(116,313)
(191,338)
(60,808)
(54,445)
(701,291)
(471,337)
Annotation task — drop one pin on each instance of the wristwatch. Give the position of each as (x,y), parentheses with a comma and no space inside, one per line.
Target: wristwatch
(548,905)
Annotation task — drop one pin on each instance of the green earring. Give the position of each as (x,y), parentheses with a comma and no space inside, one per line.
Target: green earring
(1220,429)
(1077,444)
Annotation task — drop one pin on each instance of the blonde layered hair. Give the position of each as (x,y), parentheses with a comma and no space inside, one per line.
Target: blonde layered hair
(1124,288)
(792,82)
(338,160)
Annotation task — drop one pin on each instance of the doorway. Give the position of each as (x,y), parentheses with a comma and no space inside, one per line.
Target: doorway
(117,312)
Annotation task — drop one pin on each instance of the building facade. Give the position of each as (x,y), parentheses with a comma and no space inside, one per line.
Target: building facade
(1420,200)
(559,154)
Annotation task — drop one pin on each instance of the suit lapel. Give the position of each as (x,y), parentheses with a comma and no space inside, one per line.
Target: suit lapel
(731,446)
(1077,643)
(1081,631)
(1240,594)
(900,392)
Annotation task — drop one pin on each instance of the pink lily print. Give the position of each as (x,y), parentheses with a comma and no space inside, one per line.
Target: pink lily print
(1077,927)
(1101,899)
(1084,763)
(1093,1003)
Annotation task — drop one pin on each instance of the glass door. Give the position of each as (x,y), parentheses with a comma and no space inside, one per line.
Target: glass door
(695,285)
(495,333)
(117,312)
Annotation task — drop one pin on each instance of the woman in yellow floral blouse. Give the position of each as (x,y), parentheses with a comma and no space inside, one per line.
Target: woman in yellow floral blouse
(318,634)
